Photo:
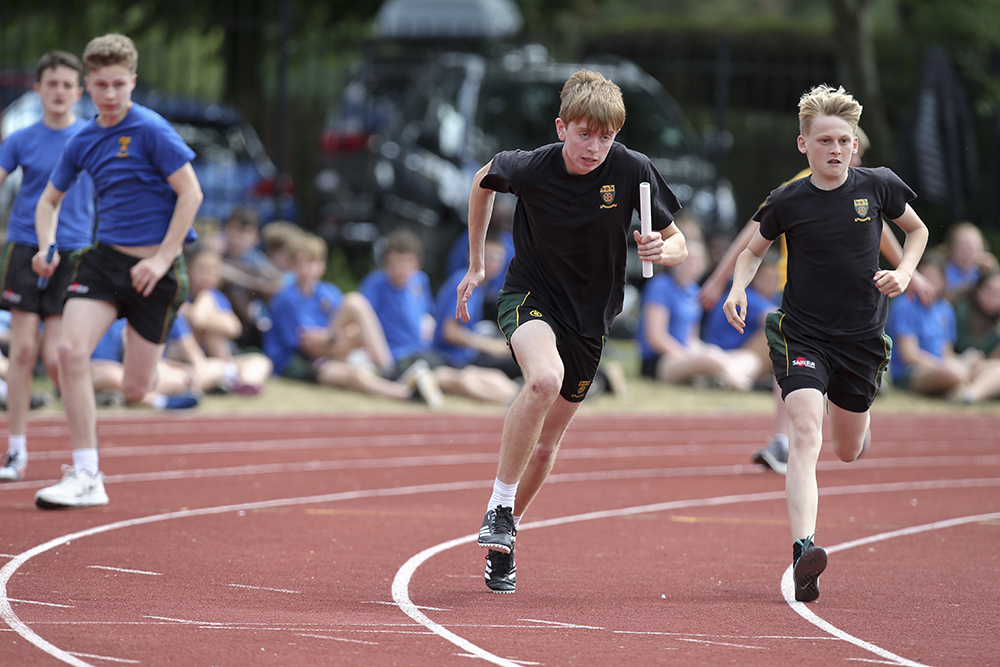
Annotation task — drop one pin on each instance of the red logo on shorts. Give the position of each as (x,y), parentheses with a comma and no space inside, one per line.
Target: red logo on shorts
(78,288)
(803,362)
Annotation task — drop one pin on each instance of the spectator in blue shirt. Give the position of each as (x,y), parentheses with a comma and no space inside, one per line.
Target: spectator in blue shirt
(400,294)
(669,326)
(321,335)
(924,360)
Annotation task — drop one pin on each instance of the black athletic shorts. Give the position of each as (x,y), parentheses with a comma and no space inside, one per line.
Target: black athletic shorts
(580,356)
(848,372)
(19,284)
(104,273)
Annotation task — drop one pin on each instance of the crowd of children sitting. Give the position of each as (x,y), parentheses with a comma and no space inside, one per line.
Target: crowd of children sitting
(259,305)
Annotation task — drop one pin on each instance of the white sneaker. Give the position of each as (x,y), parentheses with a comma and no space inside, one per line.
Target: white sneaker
(78,488)
(13,468)
(420,377)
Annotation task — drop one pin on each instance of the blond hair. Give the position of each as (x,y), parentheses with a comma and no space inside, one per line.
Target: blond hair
(824,100)
(592,100)
(110,49)
(308,246)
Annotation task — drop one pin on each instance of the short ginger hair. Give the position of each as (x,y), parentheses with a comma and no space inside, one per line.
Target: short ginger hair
(588,98)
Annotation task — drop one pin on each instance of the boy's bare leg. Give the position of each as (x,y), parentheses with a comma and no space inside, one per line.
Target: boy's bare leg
(544,455)
(21,369)
(87,319)
(482,384)
(141,362)
(848,430)
(344,376)
(805,439)
(534,345)
(358,312)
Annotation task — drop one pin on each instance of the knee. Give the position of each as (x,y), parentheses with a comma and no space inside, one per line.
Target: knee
(544,454)
(24,354)
(544,385)
(71,355)
(135,391)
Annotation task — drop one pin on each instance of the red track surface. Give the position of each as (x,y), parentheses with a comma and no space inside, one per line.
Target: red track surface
(325,540)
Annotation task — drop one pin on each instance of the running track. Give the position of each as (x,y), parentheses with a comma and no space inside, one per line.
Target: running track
(332,540)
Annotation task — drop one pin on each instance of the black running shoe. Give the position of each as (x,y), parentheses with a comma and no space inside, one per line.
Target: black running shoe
(810,561)
(501,573)
(498,530)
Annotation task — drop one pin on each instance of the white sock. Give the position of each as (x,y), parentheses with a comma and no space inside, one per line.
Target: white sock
(3,390)
(85,459)
(503,494)
(17,445)
(517,520)
(781,439)
(159,401)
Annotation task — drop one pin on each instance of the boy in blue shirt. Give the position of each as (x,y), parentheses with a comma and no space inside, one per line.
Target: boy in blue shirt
(35,150)
(321,335)
(400,294)
(148,195)
(924,360)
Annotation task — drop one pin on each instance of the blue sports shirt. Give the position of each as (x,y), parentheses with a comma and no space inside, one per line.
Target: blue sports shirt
(681,302)
(400,310)
(36,149)
(130,163)
(447,299)
(291,311)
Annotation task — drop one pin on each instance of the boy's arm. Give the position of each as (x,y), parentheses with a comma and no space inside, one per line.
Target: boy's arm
(148,272)
(712,288)
(46,221)
(893,252)
(480,207)
(746,268)
(893,283)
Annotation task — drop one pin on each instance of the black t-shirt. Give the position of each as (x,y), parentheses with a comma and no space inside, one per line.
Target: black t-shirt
(570,231)
(833,239)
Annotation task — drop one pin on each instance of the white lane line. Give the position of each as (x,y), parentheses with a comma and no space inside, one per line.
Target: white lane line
(336,639)
(705,641)
(401,582)
(265,588)
(465,459)
(788,583)
(106,658)
(561,625)
(44,604)
(126,571)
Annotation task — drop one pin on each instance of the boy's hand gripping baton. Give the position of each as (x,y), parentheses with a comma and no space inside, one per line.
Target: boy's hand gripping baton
(43,281)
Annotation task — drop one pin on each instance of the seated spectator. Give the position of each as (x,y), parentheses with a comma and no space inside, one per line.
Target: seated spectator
(277,239)
(977,316)
(322,335)
(501,219)
(176,385)
(216,328)
(400,294)
(924,360)
(479,341)
(249,279)
(762,298)
(967,257)
(672,351)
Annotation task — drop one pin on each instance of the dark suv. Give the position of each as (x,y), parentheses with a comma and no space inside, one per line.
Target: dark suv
(465,108)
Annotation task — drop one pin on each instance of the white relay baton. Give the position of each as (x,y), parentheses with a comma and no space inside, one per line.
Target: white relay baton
(645,223)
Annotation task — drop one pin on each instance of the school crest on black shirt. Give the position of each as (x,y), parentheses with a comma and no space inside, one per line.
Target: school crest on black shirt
(861,208)
(608,196)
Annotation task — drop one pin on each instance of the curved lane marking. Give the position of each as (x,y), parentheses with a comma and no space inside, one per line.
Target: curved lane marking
(788,584)
(400,583)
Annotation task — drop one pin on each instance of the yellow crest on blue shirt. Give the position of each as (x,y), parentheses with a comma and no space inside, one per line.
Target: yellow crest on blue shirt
(123,143)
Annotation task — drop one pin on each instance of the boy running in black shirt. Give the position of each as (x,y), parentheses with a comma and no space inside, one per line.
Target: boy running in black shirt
(828,337)
(564,286)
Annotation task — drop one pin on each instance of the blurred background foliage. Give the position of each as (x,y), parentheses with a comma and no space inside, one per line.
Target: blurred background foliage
(284,63)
